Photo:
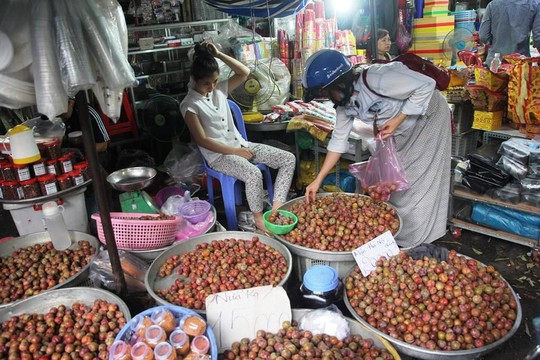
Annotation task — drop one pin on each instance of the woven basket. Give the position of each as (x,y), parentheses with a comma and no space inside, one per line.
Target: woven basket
(133,234)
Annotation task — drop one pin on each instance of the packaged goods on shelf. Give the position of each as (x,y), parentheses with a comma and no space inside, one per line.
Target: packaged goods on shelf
(513,221)
(487,120)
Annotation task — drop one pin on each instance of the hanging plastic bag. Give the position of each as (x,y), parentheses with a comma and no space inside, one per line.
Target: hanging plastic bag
(403,36)
(184,164)
(383,173)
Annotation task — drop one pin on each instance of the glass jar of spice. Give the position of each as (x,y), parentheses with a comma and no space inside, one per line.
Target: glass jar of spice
(53,167)
(12,190)
(47,183)
(39,168)
(31,188)
(22,172)
(52,149)
(65,164)
(8,172)
(76,178)
(83,168)
(64,181)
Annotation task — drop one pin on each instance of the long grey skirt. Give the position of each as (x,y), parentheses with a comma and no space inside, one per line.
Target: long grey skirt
(425,151)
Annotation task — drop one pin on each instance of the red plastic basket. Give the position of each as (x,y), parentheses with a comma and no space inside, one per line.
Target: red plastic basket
(195,211)
(133,234)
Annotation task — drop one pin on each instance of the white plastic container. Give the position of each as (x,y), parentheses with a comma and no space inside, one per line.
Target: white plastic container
(495,63)
(56,227)
(28,218)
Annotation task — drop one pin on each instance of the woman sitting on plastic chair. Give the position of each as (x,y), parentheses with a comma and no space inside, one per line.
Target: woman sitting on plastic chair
(209,119)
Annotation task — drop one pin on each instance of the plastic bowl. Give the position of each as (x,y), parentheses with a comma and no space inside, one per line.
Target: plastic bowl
(163,194)
(280,229)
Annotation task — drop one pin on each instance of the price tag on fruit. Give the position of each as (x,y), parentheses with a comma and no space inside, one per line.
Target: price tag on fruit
(238,314)
(366,256)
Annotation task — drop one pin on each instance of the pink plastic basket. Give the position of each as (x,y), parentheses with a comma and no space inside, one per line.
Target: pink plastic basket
(133,234)
(195,211)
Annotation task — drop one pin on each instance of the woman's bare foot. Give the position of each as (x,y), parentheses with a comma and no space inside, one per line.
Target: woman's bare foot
(259,223)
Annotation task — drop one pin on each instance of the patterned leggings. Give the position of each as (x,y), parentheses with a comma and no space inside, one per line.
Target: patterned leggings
(251,175)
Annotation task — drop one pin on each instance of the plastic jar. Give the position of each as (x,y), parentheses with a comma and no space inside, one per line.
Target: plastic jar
(321,287)
(76,177)
(165,319)
(8,172)
(193,325)
(39,168)
(52,149)
(200,344)
(139,324)
(31,188)
(141,351)
(12,190)
(64,181)
(83,168)
(180,341)
(53,167)
(164,351)
(119,350)
(193,356)
(47,183)
(22,172)
(65,163)
(153,335)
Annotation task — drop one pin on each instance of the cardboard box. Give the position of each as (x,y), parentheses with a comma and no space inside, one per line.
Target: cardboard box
(429,3)
(146,43)
(432,30)
(439,10)
(487,120)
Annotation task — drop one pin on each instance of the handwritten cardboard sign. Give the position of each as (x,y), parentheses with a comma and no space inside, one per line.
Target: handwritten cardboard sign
(367,254)
(236,314)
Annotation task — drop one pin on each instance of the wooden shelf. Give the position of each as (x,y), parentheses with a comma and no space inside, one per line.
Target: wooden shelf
(466,194)
(492,232)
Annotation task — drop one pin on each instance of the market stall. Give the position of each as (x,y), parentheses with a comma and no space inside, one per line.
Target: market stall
(327,279)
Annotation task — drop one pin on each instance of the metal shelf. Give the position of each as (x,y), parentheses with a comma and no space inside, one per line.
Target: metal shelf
(160,74)
(165,48)
(175,25)
(494,233)
(469,195)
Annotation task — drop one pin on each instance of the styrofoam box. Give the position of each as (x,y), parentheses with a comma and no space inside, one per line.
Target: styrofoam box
(30,220)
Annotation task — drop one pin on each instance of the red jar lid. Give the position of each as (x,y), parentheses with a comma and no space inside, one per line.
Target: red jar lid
(28,182)
(46,177)
(20,166)
(51,143)
(62,177)
(52,162)
(64,157)
(81,165)
(70,153)
(6,165)
(11,183)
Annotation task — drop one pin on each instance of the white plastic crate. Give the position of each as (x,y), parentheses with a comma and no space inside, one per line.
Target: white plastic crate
(463,144)
(302,264)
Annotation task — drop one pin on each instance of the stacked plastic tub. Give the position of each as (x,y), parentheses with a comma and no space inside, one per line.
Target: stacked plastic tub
(465,19)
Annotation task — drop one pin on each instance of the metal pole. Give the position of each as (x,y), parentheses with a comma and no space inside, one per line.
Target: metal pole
(373,25)
(100,191)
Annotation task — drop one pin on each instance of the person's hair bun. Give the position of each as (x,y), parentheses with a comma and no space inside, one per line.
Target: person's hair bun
(201,51)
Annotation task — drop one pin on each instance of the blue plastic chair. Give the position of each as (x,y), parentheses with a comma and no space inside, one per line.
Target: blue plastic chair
(231,189)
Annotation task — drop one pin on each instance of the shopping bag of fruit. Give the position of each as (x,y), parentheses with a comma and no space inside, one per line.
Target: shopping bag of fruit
(383,173)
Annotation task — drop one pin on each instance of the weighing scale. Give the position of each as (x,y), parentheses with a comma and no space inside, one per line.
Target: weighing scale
(132,181)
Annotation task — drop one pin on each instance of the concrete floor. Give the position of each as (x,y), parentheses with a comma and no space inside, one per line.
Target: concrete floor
(511,260)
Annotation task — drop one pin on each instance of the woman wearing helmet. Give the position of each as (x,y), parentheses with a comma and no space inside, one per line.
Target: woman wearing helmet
(401,103)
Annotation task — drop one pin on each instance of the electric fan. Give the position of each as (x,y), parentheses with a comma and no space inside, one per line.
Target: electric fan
(161,118)
(257,89)
(457,40)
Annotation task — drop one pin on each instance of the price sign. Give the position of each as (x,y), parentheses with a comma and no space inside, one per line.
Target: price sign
(236,314)
(367,255)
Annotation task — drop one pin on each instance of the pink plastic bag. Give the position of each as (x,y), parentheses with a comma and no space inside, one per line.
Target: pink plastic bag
(383,173)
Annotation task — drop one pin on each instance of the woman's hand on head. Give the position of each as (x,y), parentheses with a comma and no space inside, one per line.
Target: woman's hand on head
(245,153)
(389,128)
(211,48)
